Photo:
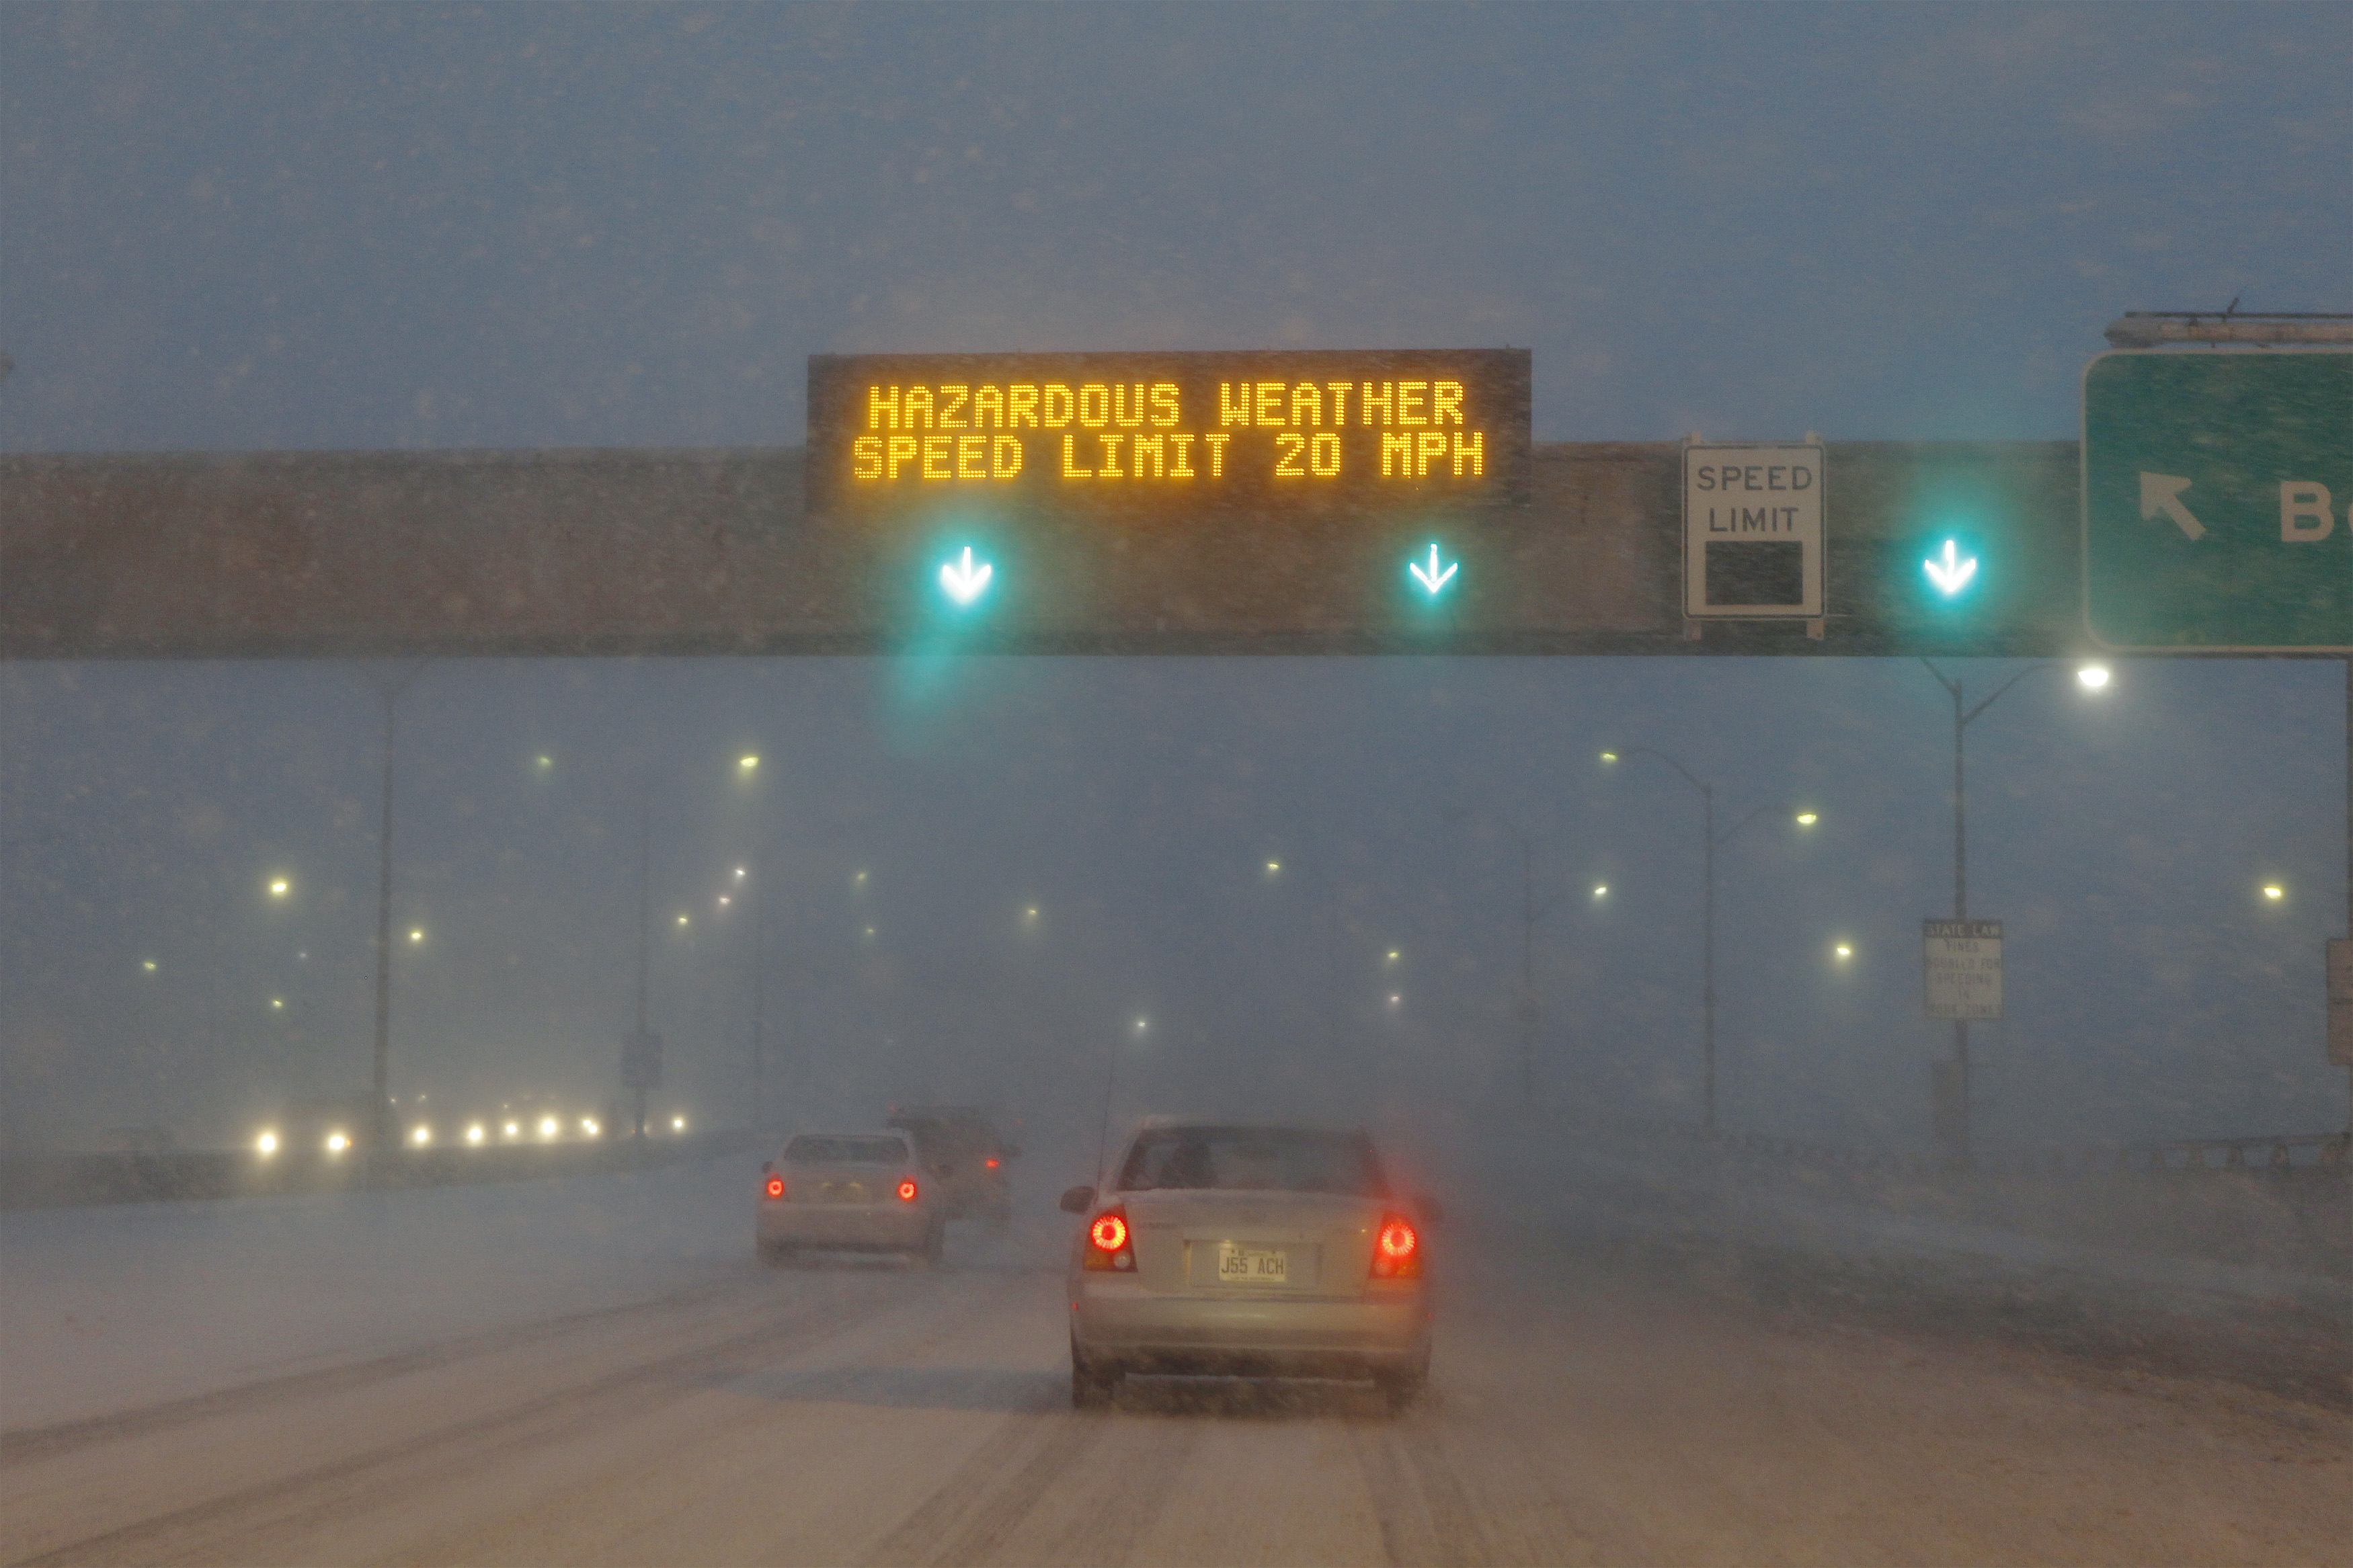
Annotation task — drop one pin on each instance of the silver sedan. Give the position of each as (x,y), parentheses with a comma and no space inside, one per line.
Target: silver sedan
(847,1191)
(1253,1251)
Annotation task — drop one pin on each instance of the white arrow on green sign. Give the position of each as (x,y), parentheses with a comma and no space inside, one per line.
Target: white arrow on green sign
(2218,501)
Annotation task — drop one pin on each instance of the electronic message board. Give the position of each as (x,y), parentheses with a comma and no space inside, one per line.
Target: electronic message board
(1172,434)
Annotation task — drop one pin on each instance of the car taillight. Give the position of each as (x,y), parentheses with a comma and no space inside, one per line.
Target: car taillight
(1397,1250)
(907,1190)
(776,1186)
(1107,1243)
(990,1162)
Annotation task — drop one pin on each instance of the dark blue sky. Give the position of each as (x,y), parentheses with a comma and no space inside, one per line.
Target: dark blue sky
(239,227)
(527,224)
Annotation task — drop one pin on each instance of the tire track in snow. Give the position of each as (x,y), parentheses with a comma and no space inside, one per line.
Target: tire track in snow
(231,1528)
(1424,1511)
(31,1443)
(993,1491)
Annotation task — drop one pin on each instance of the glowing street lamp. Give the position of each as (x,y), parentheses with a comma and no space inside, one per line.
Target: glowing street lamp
(1842,952)
(2273,892)
(475,1132)
(281,886)
(1807,819)
(267,1144)
(748,764)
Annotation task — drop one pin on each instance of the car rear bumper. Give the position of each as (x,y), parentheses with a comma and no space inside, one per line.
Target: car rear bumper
(849,1228)
(1114,1324)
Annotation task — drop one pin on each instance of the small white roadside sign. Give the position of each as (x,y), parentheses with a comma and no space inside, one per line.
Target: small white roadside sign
(1961,964)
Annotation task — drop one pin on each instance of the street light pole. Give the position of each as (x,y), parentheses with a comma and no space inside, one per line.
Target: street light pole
(380,1111)
(645,920)
(1532,1000)
(1710,842)
(1333,934)
(1707,924)
(1707,961)
(759,995)
(1531,1009)
(1963,717)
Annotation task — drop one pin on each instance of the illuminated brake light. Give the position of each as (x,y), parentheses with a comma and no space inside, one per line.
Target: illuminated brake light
(1107,1243)
(776,1186)
(1396,1250)
(907,1190)
(990,1162)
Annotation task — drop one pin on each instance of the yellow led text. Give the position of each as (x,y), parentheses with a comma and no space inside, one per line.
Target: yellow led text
(1308,406)
(935,457)
(1025,405)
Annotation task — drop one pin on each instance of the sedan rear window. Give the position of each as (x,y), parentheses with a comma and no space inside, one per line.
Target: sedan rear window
(1254,1159)
(819,1149)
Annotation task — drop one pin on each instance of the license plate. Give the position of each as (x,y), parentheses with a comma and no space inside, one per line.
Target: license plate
(1252,1265)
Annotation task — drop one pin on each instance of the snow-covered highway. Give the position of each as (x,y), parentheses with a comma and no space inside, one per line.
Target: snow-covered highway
(659,1398)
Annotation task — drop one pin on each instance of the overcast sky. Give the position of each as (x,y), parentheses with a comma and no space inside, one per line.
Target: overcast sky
(372,225)
(356,226)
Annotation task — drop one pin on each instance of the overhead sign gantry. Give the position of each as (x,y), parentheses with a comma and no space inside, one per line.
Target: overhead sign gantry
(1380,502)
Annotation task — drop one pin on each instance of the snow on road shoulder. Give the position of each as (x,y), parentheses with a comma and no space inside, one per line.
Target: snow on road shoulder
(111,1308)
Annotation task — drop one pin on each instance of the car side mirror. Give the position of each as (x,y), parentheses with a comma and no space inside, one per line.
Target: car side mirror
(767,1167)
(1078,1200)
(1432,1211)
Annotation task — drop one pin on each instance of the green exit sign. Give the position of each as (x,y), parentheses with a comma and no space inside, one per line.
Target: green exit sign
(2218,501)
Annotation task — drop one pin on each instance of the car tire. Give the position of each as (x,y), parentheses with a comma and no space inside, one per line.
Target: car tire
(1091,1389)
(934,1249)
